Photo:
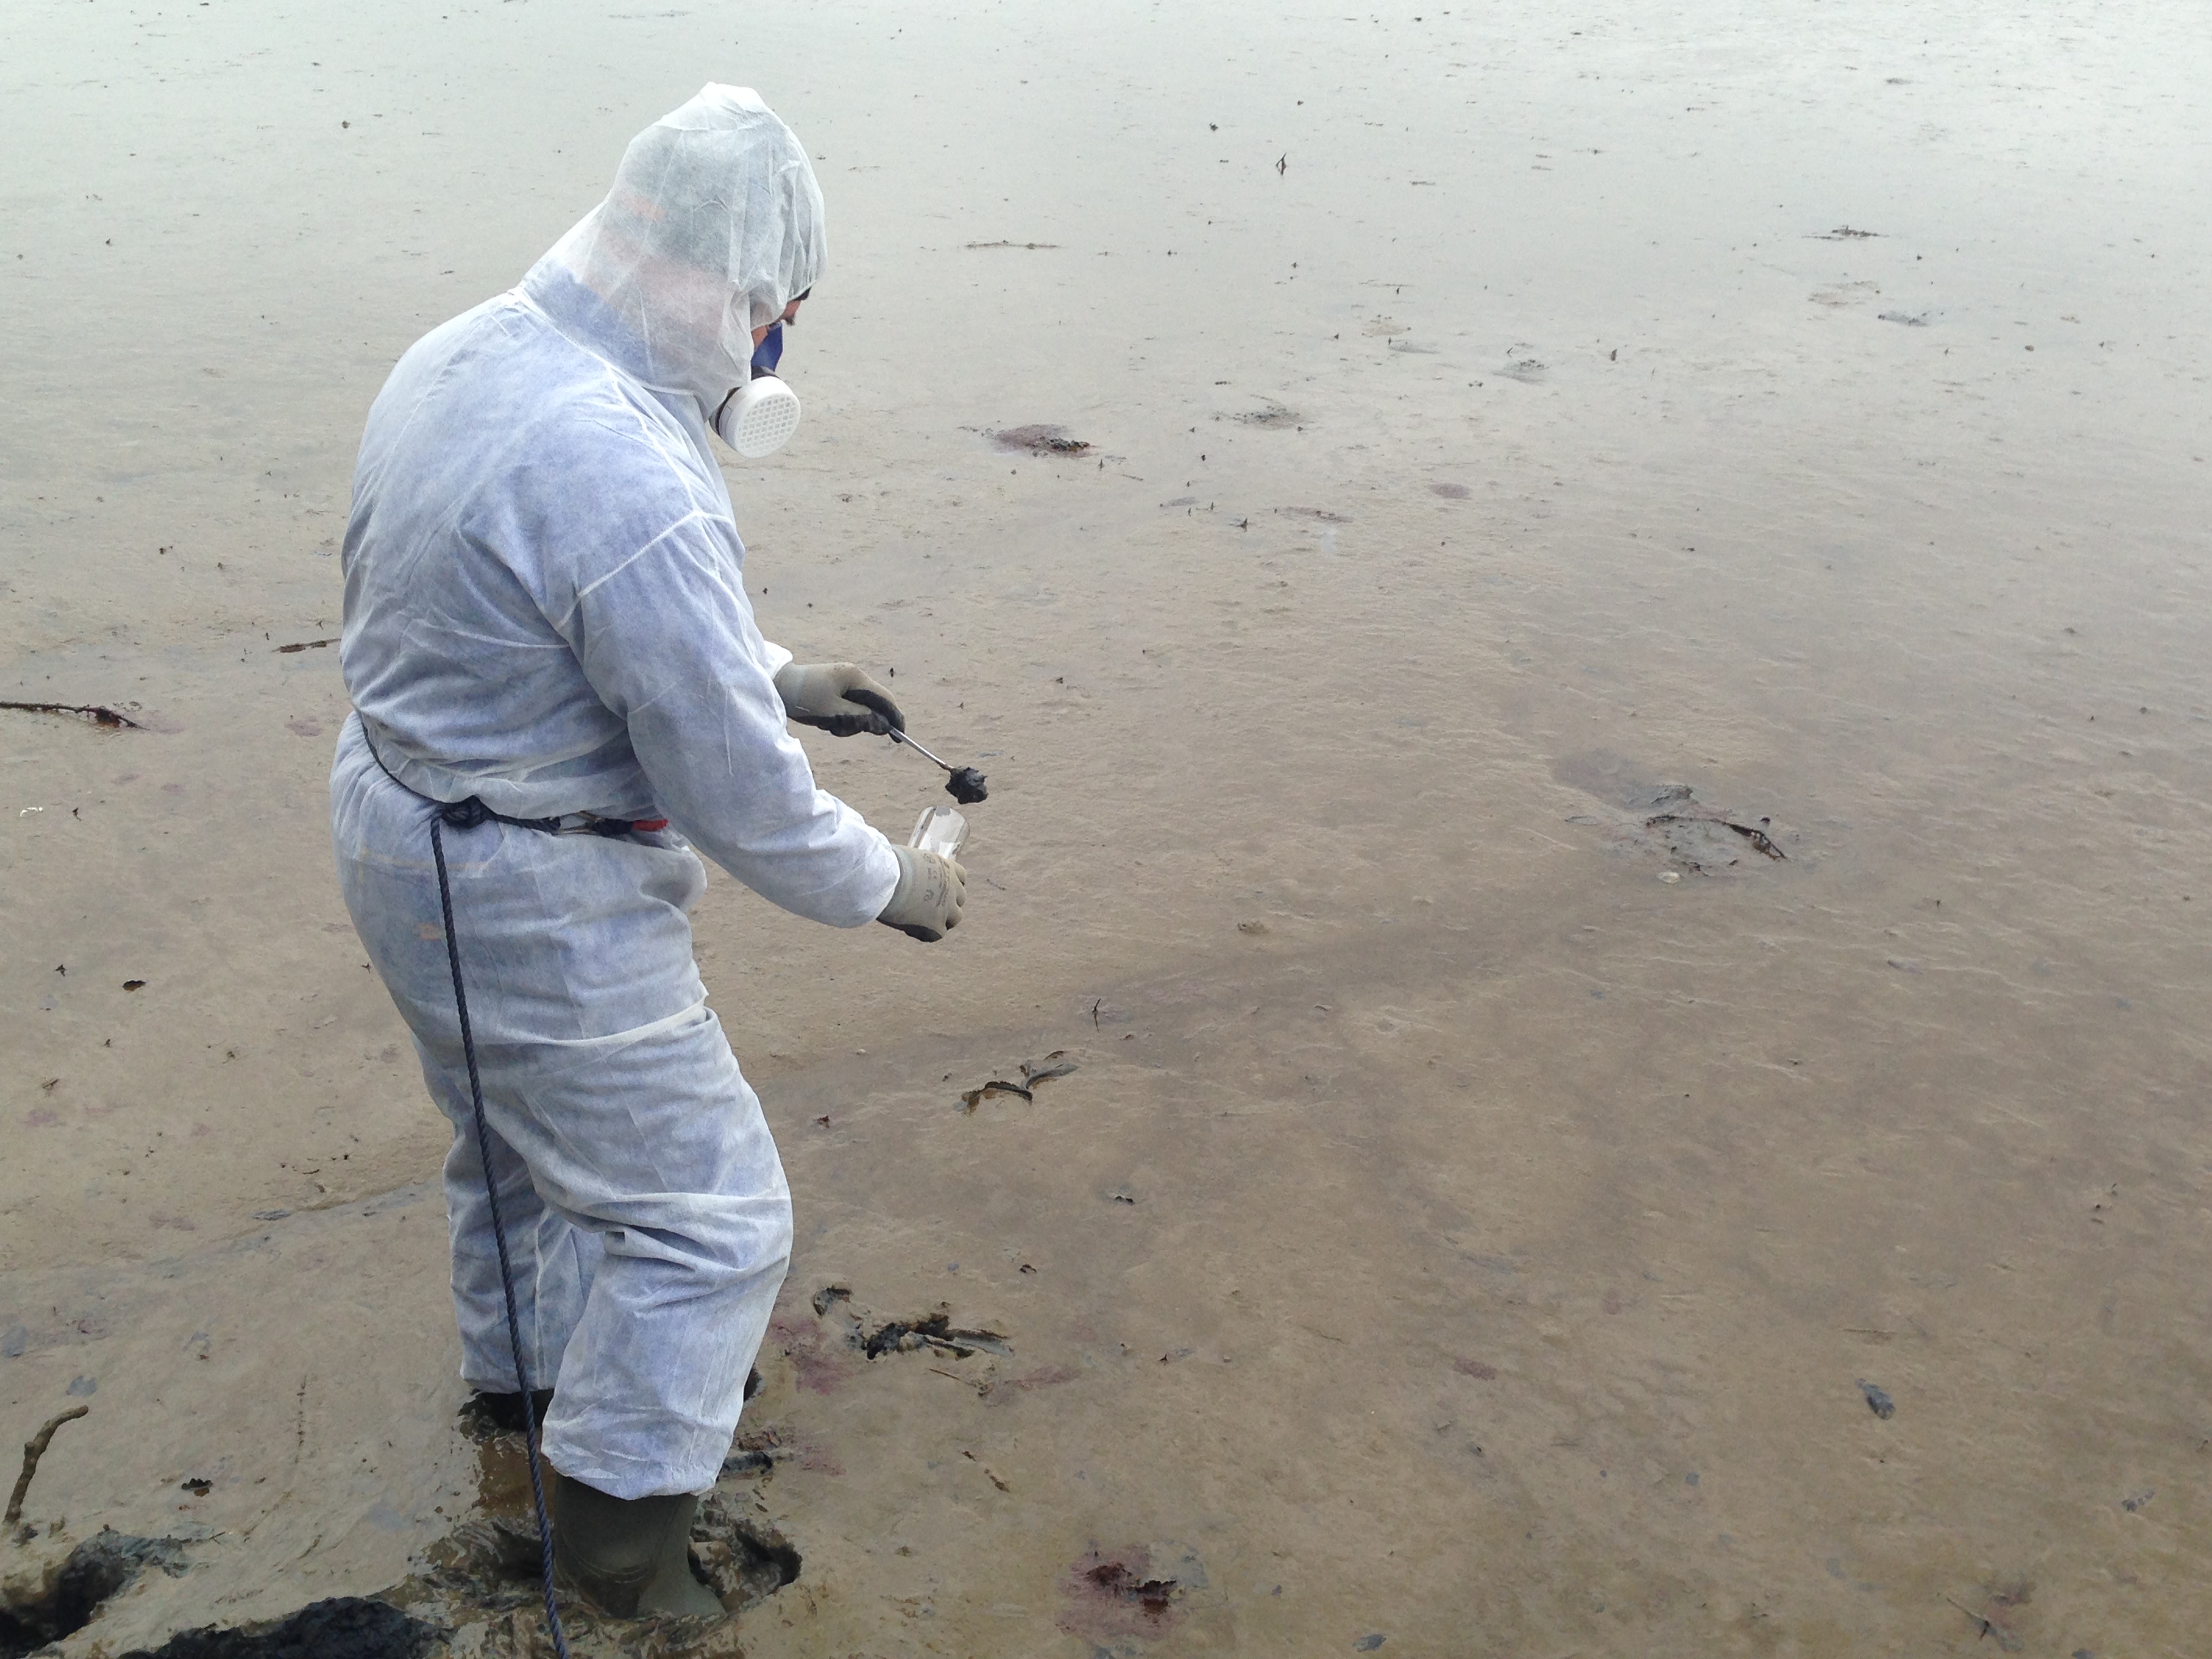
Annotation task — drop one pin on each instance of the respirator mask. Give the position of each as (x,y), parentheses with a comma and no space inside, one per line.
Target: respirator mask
(758,418)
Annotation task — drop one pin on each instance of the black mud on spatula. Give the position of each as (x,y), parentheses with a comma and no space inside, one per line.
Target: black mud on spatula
(965,785)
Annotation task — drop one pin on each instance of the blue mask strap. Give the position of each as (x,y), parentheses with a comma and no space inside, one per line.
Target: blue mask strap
(770,352)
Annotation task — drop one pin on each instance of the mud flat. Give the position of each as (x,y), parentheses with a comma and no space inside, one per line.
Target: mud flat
(1586,633)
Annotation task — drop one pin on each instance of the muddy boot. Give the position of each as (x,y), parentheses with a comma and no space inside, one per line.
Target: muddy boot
(631,1556)
(487,1414)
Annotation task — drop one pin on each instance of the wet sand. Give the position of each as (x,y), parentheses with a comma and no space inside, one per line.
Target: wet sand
(1477,1206)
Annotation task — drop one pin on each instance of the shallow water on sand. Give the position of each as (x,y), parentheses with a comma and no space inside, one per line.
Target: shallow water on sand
(1490,1173)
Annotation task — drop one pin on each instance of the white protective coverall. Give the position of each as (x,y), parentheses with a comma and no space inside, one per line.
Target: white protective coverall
(545,609)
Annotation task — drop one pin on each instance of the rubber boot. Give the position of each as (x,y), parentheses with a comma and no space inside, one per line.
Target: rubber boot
(631,1556)
(485,1414)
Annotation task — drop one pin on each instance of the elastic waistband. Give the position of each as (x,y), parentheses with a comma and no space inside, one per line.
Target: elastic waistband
(468,813)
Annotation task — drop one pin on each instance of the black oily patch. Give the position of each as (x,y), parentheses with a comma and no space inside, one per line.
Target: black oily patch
(966,785)
(1038,440)
(100,1568)
(344,1627)
(933,1329)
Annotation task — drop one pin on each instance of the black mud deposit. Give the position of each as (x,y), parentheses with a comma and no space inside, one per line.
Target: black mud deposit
(932,1330)
(95,1570)
(346,1628)
(1038,441)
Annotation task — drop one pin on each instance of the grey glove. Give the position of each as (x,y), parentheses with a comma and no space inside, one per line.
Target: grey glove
(926,904)
(839,698)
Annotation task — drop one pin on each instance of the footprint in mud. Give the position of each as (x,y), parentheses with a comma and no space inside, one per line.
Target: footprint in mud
(1667,820)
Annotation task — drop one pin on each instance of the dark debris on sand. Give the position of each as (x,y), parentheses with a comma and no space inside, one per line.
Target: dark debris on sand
(102,1566)
(1038,440)
(344,1627)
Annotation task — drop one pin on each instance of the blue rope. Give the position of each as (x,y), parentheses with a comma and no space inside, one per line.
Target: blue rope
(499,1233)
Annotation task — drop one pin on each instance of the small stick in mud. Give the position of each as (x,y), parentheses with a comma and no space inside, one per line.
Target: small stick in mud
(1989,1626)
(1758,838)
(34,1449)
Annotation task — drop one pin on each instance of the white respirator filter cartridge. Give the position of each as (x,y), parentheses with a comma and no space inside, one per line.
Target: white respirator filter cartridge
(758,418)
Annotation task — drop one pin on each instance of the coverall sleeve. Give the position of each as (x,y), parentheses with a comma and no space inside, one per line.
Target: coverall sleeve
(667,640)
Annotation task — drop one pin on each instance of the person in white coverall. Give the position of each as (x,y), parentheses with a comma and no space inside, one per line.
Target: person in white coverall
(545,614)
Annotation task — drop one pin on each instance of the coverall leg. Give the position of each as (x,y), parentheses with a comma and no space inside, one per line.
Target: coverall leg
(647,1216)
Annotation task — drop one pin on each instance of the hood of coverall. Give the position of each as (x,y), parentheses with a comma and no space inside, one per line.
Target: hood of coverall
(713,225)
